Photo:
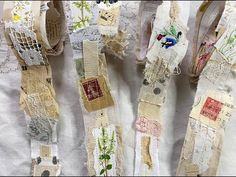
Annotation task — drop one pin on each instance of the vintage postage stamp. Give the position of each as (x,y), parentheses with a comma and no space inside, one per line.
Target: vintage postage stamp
(214,108)
(92,89)
(95,93)
(211,108)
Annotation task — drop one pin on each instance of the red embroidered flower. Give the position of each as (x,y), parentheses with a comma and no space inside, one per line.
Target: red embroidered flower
(160,36)
(142,124)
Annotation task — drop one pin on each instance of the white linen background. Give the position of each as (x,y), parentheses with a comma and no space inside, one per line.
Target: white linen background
(126,78)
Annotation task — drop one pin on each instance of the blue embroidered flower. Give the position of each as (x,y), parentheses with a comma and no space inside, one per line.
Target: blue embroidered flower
(169,42)
(171,37)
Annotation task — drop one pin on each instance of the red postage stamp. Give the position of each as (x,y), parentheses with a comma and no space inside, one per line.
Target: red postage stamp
(211,108)
(92,89)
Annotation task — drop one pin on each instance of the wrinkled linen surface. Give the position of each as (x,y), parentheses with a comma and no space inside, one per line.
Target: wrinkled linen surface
(126,78)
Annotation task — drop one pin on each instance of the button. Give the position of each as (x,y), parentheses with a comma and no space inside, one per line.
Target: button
(145,82)
(162,80)
(157,91)
(45,173)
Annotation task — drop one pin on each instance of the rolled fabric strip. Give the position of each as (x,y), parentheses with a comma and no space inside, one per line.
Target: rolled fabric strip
(167,47)
(212,109)
(103,131)
(34,30)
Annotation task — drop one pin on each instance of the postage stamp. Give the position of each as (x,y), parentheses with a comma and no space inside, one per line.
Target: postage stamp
(211,108)
(92,89)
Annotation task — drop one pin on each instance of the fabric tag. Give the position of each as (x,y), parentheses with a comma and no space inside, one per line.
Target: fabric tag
(95,93)
(214,108)
(45,151)
(108,16)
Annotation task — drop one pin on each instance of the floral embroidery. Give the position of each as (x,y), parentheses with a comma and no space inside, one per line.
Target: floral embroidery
(106,146)
(205,52)
(228,45)
(169,37)
(83,20)
(22,13)
(148,126)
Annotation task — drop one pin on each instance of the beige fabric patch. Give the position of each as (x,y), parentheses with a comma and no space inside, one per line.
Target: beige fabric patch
(45,151)
(153,94)
(117,44)
(90,149)
(186,166)
(36,78)
(145,152)
(108,17)
(95,93)
(149,111)
(158,71)
(192,170)
(119,151)
(40,104)
(46,170)
(214,108)
(102,118)
(90,53)
(38,95)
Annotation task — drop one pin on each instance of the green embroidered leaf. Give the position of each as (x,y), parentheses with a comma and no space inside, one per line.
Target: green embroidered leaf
(102,171)
(230,40)
(109,166)
(107,157)
(87,7)
(99,146)
(173,30)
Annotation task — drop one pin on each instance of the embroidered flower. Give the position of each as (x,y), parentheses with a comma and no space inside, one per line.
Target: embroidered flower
(171,37)
(160,36)
(169,42)
(142,124)
(16,17)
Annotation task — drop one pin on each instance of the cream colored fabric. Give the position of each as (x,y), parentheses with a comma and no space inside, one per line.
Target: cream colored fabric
(27,26)
(166,50)
(99,121)
(211,111)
